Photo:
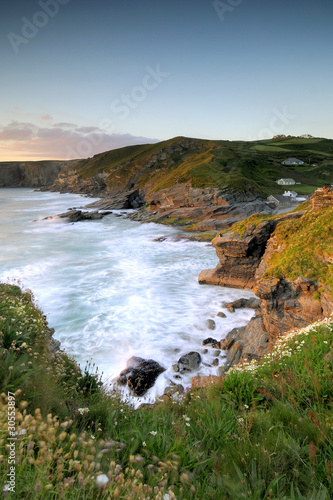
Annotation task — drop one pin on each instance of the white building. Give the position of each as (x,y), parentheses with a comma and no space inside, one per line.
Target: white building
(286,182)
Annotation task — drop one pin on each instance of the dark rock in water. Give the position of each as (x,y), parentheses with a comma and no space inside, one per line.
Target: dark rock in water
(140,374)
(252,303)
(189,362)
(78,215)
(210,323)
(209,341)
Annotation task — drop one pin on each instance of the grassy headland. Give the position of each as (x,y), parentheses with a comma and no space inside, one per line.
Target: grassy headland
(264,431)
(235,166)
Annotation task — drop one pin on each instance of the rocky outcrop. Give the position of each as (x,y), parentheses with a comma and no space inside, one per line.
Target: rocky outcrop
(239,256)
(79,215)
(35,174)
(244,344)
(189,362)
(285,304)
(140,374)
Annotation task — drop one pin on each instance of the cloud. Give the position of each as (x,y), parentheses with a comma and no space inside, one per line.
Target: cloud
(16,131)
(27,141)
(46,117)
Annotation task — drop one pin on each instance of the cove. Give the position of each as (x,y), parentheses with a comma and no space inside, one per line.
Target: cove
(114,288)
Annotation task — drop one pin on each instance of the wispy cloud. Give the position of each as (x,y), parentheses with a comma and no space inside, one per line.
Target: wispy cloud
(23,140)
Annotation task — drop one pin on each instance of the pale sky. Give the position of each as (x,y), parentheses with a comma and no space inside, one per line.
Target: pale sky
(84,76)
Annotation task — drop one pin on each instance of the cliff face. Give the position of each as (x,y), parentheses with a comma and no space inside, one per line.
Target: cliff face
(30,174)
(288,262)
(239,256)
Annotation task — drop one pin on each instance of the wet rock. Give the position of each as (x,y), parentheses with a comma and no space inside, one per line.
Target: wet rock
(175,368)
(78,215)
(140,374)
(189,362)
(209,341)
(216,362)
(210,323)
(221,315)
(204,351)
(216,353)
(252,303)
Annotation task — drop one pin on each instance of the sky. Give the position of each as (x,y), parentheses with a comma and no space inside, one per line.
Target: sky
(79,77)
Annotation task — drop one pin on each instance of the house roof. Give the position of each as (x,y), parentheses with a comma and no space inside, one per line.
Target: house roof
(286,180)
(279,197)
(292,160)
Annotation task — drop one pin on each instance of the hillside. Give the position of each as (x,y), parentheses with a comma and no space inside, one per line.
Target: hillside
(233,166)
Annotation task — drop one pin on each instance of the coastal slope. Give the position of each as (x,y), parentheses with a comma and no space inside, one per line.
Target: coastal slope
(288,262)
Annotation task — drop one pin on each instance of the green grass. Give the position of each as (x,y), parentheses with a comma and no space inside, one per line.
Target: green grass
(235,166)
(304,247)
(264,431)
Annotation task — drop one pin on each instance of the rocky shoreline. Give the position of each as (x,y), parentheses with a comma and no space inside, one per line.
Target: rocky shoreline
(282,305)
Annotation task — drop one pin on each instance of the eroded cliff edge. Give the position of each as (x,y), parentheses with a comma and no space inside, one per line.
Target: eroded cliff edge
(288,262)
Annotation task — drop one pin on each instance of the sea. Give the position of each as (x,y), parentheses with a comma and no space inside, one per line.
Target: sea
(114,288)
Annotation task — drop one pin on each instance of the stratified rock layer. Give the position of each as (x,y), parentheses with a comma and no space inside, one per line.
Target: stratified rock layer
(285,304)
(239,257)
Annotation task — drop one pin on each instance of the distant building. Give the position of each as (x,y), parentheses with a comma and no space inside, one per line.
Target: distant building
(286,182)
(279,136)
(292,161)
(306,136)
(279,200)
(290,194)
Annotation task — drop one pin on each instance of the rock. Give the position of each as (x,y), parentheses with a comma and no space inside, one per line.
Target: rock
(140,374)
(204,381)
(204,351)
(175,389)
(239,256)
(189,362)
(286,305)
(209,341)
(175,368)
(216,362)
(221,315)
(245,343)
(252,303)
(78,215)
(210,323)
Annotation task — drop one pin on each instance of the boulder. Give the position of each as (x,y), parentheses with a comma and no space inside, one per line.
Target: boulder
(209,341)
(210,323)
(140,374)
(221,315)
(189,362)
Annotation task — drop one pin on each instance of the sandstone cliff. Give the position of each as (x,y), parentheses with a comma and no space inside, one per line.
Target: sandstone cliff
(34,174)
(288,262)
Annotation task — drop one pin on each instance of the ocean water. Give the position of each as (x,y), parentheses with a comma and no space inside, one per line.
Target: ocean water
(109,289)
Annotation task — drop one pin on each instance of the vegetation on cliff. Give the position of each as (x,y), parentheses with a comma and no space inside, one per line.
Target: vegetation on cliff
(234,166)
(263,432)
(304,247)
